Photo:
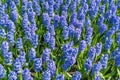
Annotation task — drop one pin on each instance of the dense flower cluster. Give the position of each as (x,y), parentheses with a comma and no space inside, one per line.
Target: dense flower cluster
(60,39)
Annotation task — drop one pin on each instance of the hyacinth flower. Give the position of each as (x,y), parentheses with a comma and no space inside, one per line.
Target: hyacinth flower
(17,66)
(24,6)
(82,45)
(12,75)
(71,30)
(34,40)
(51,10)
(68,63)
(65,32)
(45,6)
(73,18)
(73,6)
(51,2)
(56,20)
(101,28)
(47,36)
(76,76)
(117,60)
(63,21)
(118,3)
(32,54)
(104,60)
(91,53)
(21,57)
(51,67)
(4,47)
(36,7)
(37,64)
(46,55)
(96,68)
(88,65)
(60,77)
(2,33)
(2,71)
(51,42)
(77,34)
(88,36)
(19,44)
(98,48)
(8,58)
(107,44)
(46,75)
(81,15)
(118,39)
(26,74)
(51,30)
(97,77)
(87,22)
(115,52)
(10,37)
(45,19)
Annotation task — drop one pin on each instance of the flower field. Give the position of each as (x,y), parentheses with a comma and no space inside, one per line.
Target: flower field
(59,39)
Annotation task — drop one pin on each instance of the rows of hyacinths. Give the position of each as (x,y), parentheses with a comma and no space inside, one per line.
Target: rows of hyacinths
(59,39)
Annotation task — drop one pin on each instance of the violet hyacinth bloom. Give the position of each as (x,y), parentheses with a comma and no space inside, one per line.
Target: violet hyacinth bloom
(37,64)
(26,74)
(108,42)
(104,60)
(91,53)
(19,43)
(51,67)
(60,77)
(2,71)
(21,57)
(36,7)
(98,48)
(88,65)
(118,39)
(46,75)
(2,33)
(17,66)
(46,55)
(76,76)
(8,58)
(32,54)
(12,75)
(88,36)
(82,45)
(4,47)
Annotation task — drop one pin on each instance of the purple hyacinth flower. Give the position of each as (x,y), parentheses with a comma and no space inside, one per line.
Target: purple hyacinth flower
(104,60)
(88,65)
(19,43)
(21,57)
(4,47)
(91,53)
(77,34)
(8,58)
(10,37)
(69,62)
(47,36)
(96,68)
(12,75)
(46,54)
(46,75)
(17,66)
(34,41)
(56,20)
(32,54)
(26,74)
(38,64)
(2,71)
(2,33)
(76,76)
(98,48)
(45,19)
(36,7)
(60,77)
(108,42)
(118,39)
(65,32)
(117,60)
(82,45)
(13,15)
(51,67)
